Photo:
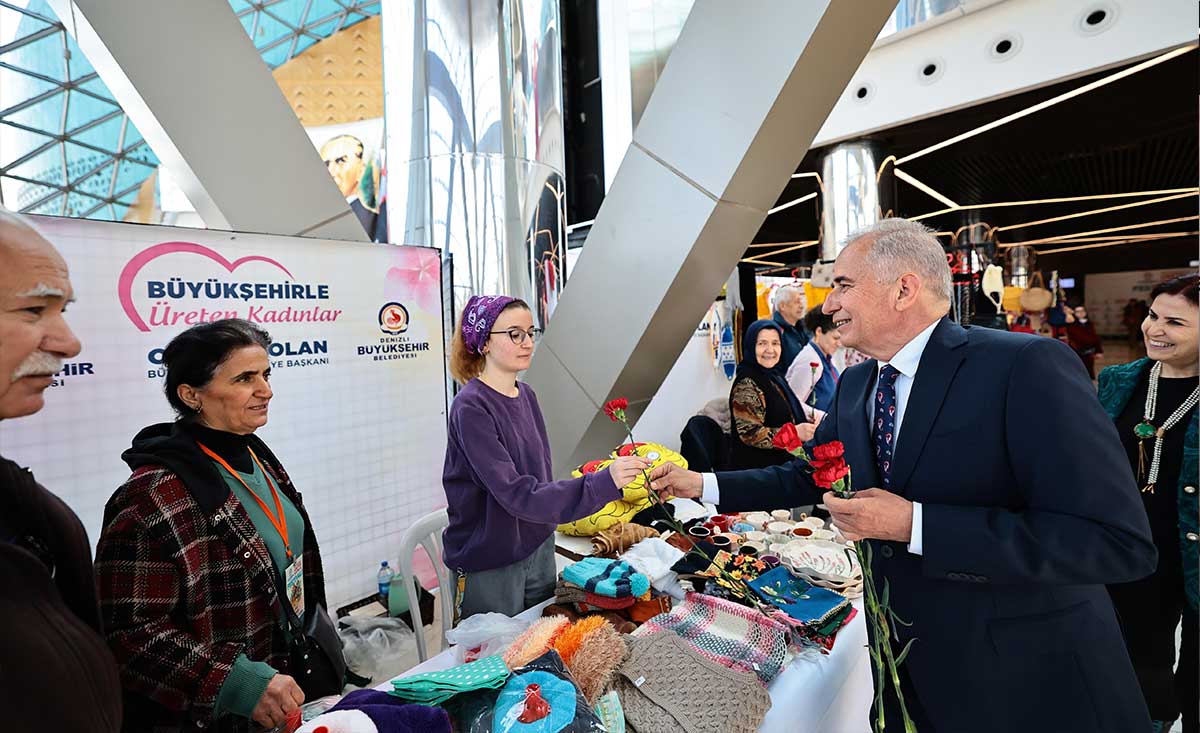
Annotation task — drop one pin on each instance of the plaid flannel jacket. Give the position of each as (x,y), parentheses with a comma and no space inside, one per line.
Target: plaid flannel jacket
(184,590)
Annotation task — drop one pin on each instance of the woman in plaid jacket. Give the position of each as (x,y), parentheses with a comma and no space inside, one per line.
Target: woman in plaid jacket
(196,543)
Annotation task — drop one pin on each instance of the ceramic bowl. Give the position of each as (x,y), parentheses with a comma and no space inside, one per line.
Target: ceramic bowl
(756,547)
(823,534)
(802,532)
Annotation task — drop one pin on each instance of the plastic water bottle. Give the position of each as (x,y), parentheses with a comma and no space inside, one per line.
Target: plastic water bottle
(384,576)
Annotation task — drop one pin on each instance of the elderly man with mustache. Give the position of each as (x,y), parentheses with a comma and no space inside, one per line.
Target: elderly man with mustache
(49,616)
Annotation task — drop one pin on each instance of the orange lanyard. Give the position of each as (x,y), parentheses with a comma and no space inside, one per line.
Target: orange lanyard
(278,520)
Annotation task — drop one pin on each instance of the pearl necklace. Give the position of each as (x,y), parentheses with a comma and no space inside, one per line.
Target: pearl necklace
(1146,430)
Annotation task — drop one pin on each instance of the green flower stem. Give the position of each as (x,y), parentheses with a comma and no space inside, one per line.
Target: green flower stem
(739,585)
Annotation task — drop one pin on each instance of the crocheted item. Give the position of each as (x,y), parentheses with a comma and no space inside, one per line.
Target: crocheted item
(434,688)
(390,714)
(729,634)
(608,707)
(568,643)
(597,658)
(666,685)
(635,496)
(611,578)
(619,538)
(565,592)
(535,641)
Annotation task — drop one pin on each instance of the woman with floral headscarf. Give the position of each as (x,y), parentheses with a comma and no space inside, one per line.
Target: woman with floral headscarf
(502,503)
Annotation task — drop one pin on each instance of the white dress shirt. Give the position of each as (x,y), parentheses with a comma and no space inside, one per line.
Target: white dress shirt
(906,361)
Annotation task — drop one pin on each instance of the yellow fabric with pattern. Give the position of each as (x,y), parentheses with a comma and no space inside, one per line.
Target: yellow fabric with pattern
(635,496)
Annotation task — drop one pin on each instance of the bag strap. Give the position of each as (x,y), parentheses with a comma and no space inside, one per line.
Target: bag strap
(294,622)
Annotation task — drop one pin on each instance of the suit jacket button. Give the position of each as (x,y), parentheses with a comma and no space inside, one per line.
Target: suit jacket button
(1189,489)
(1192,537)
(886,551)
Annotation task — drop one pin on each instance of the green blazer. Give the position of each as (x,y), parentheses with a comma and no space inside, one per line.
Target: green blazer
(1116,385)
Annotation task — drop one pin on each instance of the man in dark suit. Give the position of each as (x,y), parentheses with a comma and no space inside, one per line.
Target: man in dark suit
(1004,506)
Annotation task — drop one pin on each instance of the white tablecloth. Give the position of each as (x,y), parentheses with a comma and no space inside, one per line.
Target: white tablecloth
(815,693)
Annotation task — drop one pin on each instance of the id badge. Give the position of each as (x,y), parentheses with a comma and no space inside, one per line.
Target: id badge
(294,577)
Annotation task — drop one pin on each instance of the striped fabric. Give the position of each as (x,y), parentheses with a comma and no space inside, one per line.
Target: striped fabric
(729,634)
(611,578)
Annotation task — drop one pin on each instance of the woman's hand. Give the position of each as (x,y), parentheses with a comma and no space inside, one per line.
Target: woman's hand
(627,468)
(281,697)
(806,431)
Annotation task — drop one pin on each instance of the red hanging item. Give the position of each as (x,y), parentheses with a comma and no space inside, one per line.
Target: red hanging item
(536,706)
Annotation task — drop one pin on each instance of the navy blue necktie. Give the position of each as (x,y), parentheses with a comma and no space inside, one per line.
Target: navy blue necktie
(884,423)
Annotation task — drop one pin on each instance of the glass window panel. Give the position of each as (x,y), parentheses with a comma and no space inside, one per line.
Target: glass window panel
(82,109)
(45,166)
(45,115)
(105,135)
(45,55)
(98,183)
(96,86)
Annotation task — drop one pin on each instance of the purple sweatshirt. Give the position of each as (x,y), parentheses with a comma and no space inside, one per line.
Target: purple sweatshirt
(501,500)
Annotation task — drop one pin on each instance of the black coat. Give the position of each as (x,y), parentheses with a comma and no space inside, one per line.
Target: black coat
(1029,508)
(56,672)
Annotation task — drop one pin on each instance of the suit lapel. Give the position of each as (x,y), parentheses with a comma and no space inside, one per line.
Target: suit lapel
(857,384)
(939,363)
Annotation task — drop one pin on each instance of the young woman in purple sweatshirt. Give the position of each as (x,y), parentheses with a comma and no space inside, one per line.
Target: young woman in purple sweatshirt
(502,502)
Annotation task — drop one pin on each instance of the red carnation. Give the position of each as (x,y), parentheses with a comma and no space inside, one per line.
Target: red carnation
(813,364)
(829,451)
(615,409)
(786,438)
(826,476)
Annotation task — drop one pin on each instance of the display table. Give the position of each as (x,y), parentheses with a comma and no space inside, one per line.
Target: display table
(815,693)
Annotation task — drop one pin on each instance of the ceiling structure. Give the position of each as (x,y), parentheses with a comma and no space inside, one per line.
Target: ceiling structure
(66,147)
(1135,134)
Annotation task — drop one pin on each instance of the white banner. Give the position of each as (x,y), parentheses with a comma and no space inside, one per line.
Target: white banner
(358,373)
(1108,293)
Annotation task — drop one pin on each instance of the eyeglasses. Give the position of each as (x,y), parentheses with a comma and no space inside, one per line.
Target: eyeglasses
(518,336)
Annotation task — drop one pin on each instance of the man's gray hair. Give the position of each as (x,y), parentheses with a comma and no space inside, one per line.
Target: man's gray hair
(896,246)
(785,294)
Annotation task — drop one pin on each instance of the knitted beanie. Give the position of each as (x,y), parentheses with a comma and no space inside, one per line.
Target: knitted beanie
(611,578)
(565,592)
(666,685)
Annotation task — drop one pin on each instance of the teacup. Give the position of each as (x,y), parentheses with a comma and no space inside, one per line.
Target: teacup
(806,532)
(780,527)
(758,519)
(724,521)
(781,515)
(756,536)
(771,561)
(699,532)
(742,527)
(721,542)
(752,548)
(814,522)
(823,534)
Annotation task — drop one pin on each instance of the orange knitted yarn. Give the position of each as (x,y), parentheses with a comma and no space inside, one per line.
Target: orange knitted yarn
(535,640)
(568,643)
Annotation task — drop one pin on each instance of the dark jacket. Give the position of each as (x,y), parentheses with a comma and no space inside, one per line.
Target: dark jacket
(186,582)
(1029,509)
(1116,384)
(56,673)
(792,338)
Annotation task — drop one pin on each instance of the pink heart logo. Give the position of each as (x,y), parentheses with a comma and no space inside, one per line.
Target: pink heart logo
(125,281)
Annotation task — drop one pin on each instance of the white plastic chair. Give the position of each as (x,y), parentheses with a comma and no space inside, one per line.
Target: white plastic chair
(427,532)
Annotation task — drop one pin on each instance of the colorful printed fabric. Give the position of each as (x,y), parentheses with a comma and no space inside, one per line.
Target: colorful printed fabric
(478,318)
(729,634)
(611,578)
(799,599)
(635,497)
(435,688)
(608,707)
(565,592)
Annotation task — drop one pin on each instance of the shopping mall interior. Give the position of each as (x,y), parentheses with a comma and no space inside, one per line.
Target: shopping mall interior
(651,188)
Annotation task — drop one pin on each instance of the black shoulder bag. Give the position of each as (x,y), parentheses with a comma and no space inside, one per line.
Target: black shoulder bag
(315,652)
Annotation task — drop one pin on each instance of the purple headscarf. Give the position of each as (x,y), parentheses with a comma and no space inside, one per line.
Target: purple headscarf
(478,318)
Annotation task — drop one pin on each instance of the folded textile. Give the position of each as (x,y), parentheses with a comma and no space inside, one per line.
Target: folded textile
(434,688)
(643,611)
(729,634)
(654,558)
(799,599)
(611,578)
(665,684)
(565,592)
(619,538)
(693,562)
(608,708)
(535,640)
(392,715)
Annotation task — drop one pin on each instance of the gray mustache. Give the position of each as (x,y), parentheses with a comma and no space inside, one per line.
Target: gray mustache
(39,363)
